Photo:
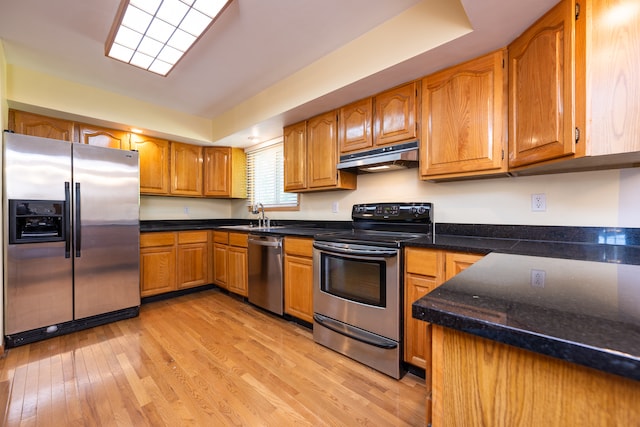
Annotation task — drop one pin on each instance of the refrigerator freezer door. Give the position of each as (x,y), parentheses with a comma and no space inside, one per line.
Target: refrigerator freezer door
(39,279)
(106,225)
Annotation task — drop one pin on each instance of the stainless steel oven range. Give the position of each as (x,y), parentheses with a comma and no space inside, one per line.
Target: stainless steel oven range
(357,297)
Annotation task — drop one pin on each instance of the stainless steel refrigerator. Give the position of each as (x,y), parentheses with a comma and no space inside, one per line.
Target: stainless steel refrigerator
(71,237)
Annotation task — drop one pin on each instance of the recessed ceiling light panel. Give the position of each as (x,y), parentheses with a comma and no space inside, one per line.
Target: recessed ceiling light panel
(155,34)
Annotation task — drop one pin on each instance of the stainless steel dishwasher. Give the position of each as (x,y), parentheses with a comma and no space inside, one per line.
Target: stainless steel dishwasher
(265,272)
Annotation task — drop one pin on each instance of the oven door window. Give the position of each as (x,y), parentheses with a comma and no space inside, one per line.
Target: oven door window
(359,280)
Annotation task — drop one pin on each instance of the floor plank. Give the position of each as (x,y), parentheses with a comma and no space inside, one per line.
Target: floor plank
(202,359)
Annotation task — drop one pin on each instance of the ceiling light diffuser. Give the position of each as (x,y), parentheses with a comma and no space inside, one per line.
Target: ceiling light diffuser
(155,34)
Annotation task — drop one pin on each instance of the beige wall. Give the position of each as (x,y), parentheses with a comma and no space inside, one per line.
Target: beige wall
(158,207)
(603,198)
(77,101)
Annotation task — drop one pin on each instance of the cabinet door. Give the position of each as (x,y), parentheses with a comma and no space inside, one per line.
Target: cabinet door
(541,89)
(186,169)
(154,164)
(424,271)
(395,115)
(192,265)
(220,268)
(225,172)
(613,63)
(457,262)
(217,168)
(464,111)
(322,142)
(355,126)
(295,157)
(417,343)
(157,270)
(237,270)
(36,125)
(298,287)
(103,137)
(157,263)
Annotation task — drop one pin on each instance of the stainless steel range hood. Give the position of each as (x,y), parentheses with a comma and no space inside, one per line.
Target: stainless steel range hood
(394,157)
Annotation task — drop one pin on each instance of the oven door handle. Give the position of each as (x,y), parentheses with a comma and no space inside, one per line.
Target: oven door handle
(356,251)
(355,333)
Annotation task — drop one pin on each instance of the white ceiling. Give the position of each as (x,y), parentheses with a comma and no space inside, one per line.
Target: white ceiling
(254,45)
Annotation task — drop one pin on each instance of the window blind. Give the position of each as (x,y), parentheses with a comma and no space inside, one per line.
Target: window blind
(265,178)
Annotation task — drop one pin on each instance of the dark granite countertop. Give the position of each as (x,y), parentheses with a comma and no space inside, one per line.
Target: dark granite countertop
(585,312)
(281,227)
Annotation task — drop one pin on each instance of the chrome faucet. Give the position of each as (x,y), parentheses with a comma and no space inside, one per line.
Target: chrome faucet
(263,221)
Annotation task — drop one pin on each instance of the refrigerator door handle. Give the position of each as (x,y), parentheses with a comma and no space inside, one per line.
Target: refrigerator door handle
(77,225)
(67,220)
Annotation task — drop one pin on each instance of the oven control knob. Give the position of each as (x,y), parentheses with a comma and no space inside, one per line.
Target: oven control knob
(421,210)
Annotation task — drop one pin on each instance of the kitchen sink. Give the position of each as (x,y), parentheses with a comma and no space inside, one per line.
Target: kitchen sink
(252,227)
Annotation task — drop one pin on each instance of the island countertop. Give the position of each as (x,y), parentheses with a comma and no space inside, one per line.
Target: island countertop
(581,311)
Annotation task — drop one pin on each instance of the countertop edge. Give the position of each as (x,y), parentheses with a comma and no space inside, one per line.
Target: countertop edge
(616,363)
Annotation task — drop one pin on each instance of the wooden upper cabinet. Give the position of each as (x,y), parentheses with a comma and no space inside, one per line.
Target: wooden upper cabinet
(395,114)
(186,169)
(612,63)
(154,164)
(355,126)
(103,137)
(541,89)
(295,156)
(322,143)
(464,116)
(36,125)
(322,160)
(225,172)
(311,156)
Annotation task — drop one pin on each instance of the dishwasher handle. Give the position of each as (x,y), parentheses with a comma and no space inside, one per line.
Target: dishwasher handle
(275,242)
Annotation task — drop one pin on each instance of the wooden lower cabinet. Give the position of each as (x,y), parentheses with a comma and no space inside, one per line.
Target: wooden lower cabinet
(173,260)
(480,382)
(237,264)
(192,259)
(157,263)
(230,257)
(456,262)
(220,245)
(425,270)
(298,277)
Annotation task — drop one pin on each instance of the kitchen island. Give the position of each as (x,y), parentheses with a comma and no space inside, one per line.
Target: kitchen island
(537,340)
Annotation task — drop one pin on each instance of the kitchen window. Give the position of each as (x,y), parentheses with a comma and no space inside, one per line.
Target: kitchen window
(265,178)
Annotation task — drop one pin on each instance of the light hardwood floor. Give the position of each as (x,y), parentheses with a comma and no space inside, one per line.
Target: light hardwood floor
(205,359)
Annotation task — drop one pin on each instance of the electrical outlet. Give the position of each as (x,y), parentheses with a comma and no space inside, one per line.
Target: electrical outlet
(537,278)
(538,202)
(334,207)
(186,209)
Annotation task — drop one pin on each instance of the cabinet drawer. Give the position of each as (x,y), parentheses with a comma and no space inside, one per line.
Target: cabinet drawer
(238,239)
(425,262)
(185,237)
(298,246)
(148,240)
(221,237)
